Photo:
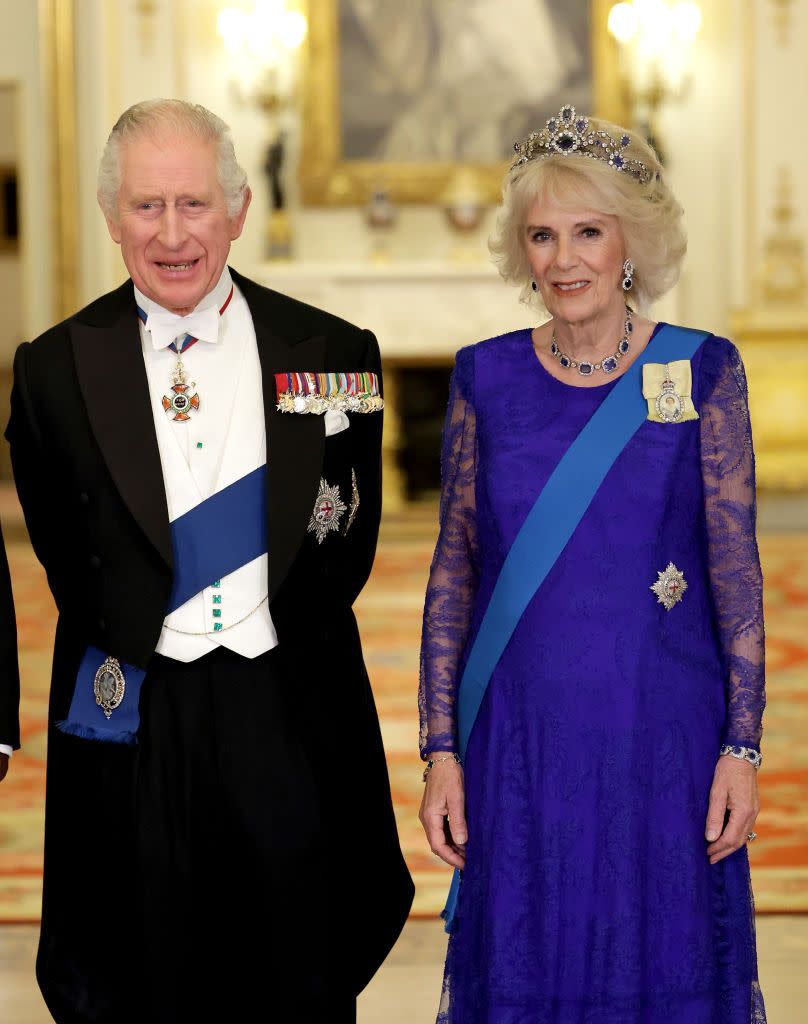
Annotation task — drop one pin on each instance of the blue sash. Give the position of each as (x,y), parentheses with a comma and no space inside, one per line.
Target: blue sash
(551,522)
(218,536)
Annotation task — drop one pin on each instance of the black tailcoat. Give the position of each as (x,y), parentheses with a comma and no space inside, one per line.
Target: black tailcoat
(89,477)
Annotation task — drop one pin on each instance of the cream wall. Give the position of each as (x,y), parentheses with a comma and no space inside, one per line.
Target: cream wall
(124,56)
(776,87)
(698,134)
(20,51)
(120,59)
(11,328)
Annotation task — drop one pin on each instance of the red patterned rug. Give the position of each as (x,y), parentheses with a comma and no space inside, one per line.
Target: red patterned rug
(390,617)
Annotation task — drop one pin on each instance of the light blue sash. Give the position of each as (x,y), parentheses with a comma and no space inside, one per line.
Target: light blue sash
(551,522)
(216,537)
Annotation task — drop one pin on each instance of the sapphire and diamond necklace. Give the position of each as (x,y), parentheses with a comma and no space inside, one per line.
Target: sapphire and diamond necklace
(607,365)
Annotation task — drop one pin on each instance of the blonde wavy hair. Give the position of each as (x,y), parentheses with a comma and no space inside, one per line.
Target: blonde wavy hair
(649,215)
(175,117)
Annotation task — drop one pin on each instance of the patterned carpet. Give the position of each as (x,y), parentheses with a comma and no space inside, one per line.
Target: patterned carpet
(389,615)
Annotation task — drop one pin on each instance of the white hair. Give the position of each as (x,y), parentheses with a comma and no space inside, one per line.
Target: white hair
(178,117)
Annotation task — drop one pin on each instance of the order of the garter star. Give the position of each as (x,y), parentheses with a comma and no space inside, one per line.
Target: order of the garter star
(329,509)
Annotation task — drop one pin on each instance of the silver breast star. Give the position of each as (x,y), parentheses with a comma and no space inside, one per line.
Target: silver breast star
(670,586)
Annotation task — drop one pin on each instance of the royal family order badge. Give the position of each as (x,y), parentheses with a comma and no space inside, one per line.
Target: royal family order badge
(667,389)
(670,586)
(668,402)
(329,508)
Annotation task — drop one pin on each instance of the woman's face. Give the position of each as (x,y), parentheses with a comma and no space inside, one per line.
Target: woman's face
(576,258)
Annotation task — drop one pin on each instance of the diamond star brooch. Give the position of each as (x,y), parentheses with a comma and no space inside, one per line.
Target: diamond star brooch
(670,586)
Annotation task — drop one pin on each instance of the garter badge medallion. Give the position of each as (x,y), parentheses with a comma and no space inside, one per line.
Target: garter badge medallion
(670,586)
(329,509)
(109,686)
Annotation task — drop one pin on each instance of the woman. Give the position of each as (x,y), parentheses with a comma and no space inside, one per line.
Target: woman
(592,665)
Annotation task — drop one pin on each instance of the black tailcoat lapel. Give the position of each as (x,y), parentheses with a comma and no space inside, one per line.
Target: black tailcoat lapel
(295,444)
(112,377)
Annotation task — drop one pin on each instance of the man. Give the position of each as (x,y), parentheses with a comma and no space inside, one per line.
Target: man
(198,462)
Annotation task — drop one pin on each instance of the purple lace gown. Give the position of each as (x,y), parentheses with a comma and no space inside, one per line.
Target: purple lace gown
(588,897)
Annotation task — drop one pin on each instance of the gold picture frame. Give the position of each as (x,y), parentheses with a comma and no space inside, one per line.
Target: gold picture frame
(327,178)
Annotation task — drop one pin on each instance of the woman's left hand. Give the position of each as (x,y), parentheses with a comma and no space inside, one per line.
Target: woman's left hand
(734,789)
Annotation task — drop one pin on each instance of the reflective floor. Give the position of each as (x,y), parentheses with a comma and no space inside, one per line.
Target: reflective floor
(405,991)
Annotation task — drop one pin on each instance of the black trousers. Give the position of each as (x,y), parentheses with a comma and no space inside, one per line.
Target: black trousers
(218,909)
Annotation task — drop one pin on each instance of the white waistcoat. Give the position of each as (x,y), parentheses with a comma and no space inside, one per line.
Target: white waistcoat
(222,442)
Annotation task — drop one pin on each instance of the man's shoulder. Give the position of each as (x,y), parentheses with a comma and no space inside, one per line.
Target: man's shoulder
(100,312)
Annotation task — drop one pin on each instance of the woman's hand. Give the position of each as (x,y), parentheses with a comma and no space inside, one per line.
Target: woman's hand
(734,789)
(444,798)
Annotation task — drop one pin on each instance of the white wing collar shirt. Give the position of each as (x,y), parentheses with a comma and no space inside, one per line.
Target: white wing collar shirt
(224,440)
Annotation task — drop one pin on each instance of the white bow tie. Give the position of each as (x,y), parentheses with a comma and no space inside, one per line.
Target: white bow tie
(166,327)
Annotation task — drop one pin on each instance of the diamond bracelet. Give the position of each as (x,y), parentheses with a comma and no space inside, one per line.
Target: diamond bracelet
(743,754)
(439,760)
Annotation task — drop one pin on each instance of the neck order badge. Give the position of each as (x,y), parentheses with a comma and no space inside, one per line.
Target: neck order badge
(180,402)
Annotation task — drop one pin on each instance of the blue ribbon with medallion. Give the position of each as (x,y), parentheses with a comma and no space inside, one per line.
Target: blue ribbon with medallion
(212,540)
(551,522)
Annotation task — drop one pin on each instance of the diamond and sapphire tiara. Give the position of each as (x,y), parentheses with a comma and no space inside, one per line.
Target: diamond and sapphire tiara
(569,134)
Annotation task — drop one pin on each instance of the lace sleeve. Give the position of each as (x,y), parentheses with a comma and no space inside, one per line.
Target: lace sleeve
(728,471)
(454,574)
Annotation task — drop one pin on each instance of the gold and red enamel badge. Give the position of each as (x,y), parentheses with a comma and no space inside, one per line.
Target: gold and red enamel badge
(180,402)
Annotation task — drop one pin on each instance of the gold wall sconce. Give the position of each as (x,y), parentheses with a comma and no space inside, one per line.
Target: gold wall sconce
(262,41)
(655,40)
(262,44)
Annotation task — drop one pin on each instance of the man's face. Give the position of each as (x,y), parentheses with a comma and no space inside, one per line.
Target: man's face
(171,221)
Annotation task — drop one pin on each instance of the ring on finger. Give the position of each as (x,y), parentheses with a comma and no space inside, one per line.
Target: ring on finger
(751,837)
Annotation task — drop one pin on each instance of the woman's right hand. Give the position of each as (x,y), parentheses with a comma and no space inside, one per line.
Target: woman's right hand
(443,811)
